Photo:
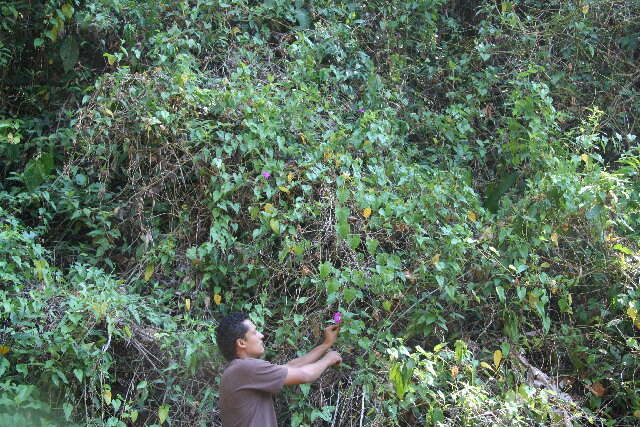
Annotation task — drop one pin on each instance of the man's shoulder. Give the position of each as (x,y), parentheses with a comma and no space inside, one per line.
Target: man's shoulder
(246,364)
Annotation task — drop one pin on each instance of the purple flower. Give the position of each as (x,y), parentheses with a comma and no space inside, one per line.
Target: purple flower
(360,110)
(337,317)
(266,174)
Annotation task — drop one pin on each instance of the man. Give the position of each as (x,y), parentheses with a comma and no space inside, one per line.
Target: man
(248,383)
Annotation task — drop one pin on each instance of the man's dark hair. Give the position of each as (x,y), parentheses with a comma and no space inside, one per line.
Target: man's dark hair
(229,330)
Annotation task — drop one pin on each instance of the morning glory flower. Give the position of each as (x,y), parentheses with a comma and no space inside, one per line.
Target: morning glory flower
(266,174)
(337,317)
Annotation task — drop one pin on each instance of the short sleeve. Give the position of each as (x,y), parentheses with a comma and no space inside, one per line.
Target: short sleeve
(263,376)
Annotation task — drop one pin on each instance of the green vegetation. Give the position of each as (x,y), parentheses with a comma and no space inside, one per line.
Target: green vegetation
(459,179)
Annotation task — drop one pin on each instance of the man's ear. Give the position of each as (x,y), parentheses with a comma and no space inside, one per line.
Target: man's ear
(241,343)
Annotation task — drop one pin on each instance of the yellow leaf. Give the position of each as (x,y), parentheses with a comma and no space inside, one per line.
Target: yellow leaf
(346,176)
(366,212)
(268,208)
(585,9)
(435,259)
(554,238)
(235,30)
(472,216)
(485,365)
(283,189)
(275,225)
(4,349)
(304,140)
(454,371)
(487,234)
(636,413)
(67,10)
(497,358)
(148,272)
(187,304)
(109,112)
(633,313)
(217,298)
(106,395)
(584,158)
(290,177)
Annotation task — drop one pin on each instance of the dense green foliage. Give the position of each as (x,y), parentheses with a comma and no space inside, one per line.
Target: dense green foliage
(459,179)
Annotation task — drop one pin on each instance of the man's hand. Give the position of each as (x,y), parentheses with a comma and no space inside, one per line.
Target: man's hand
(331,334)
(334,357)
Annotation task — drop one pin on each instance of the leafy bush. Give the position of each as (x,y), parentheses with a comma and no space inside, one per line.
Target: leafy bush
(459,180)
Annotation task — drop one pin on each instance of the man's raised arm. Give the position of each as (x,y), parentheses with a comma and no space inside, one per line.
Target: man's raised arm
(330,336)
(311,372)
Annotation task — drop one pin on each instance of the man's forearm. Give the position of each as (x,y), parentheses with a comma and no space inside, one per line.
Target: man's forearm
(313,370)
(311,357)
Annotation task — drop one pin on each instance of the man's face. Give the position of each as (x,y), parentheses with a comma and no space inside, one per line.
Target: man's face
(253,345)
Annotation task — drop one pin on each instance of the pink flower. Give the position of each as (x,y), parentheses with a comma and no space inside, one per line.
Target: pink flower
(266,174)
(360,110)
(337,317)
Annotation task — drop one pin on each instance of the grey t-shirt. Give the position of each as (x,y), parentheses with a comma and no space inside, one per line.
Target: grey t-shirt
(246,393)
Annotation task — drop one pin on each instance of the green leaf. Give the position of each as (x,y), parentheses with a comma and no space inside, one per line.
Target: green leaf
(342,195)
(437,416)
(163,413)
(324,270)
(396,377)
(343,229)
(332,286)
(460,350)
(81,179)
(506,348)
(275,225)
(36,170)
(350,294)
(354,241)
(372,246)
(342,214)
(495,191)
(68,409)
(303,18)
(623,249)
(69,52)
(37,42)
